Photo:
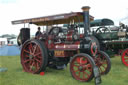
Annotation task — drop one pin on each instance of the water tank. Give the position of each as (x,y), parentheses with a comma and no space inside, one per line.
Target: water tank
(24,34)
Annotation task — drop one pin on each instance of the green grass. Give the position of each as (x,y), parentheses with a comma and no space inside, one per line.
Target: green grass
(15,76)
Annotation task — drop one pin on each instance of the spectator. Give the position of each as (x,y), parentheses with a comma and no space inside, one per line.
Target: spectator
(38,33)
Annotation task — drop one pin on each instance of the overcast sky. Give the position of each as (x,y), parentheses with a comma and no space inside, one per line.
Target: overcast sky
(10,10)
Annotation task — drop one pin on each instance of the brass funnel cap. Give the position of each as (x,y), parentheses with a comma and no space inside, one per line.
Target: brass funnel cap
(85,8)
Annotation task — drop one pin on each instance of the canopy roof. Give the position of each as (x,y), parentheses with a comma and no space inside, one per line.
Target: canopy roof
(101,22)
(54,19)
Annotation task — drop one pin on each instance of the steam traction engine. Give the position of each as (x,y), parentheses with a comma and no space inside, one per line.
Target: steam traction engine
(113,39)
(58,46)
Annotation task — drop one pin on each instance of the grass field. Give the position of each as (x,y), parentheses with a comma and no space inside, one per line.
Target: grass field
(15,76)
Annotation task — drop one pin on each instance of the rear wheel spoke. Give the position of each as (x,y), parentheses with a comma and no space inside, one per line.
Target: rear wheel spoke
(27,51)
(26,56)
(26,61)
(37,64)
(30,63)
(31,47)
(34,50)
(38,60)
(37,54)
(31,66)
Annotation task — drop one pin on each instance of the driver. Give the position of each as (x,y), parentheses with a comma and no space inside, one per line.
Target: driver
(38,33)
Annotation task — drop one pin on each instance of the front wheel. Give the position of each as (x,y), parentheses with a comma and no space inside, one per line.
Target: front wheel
(81,67)
(34,56)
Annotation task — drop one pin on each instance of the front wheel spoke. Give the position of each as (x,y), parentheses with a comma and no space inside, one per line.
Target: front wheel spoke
(103,66)
(104,63)
(89,69)
(85,73)
(76,70)
(101,70)
(81,60)
(87,66)
(75,66)
(83,76)
(76,63)
(79,73)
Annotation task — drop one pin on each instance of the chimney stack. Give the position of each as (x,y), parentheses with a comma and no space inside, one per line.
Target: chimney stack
(86,20)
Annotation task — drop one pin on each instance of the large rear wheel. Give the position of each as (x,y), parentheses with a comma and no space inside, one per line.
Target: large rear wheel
(81,67)
(34,56)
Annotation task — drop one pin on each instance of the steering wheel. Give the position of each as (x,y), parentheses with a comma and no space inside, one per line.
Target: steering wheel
(102,30)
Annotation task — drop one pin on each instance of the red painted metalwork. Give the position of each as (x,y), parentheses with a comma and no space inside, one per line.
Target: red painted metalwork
(94,49)
(42,73)
(62,46)
(124,57)
(81,60)
(81,68)
(69,35)
(81,35)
